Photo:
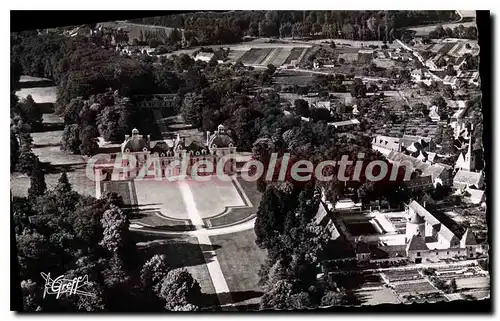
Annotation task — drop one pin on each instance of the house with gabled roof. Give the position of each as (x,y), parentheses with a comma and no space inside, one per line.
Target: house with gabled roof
(464,179)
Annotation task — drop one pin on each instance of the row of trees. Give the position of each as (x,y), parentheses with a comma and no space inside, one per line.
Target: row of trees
(229,27)
(461,32)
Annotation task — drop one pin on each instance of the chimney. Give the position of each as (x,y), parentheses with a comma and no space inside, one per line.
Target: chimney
(149,140)
(208,136)
(425,202)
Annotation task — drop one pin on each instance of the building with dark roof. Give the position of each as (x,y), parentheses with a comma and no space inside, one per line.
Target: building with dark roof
(429,239)
(176,157)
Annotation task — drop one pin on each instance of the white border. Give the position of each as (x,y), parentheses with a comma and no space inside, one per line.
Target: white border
(215,5)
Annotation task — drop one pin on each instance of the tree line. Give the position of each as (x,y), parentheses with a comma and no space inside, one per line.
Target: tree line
(229,27)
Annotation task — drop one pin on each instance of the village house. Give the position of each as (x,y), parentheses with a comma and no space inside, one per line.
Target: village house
(474,196)
(440,173)
(464,179)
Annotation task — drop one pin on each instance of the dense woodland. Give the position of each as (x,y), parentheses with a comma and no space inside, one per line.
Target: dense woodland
(229,27)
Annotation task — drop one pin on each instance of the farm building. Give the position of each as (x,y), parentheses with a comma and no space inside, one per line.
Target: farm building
(430,239)
(419,236)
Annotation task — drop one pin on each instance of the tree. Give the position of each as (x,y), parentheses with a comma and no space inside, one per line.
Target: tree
(301,107)
(113,121)
(450,71)
(89,144)
(14,150)
(192,108)
(447,141)
(154,272)
(358,89)
(438,101)
(273,209)
(32,299)
(448,92)
(70,140)
(115,225)
(63,185)
(37,181)
(453,286)
(32,112)
(283,296)
(180,291)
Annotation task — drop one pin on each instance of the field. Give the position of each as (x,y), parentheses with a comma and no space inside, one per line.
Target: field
(40,94)
(376,296)
(134,29)
(404,275)
(240,260)
(255,55)
(414,287)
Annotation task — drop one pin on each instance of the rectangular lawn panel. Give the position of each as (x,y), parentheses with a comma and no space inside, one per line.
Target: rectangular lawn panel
(163,196)
(20,183)
(240,260)
(294,55)
(212,197)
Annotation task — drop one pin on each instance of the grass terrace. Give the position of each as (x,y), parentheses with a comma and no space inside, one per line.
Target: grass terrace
(240,260)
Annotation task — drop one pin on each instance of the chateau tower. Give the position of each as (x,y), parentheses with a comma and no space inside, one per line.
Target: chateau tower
(415,226)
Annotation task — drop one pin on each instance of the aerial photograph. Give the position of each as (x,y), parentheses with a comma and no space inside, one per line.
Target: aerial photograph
(239,161)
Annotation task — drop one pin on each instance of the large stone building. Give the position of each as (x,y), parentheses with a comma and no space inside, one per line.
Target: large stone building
(171,155)
(429,239)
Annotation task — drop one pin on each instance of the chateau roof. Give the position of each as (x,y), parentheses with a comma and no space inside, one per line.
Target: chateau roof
(468,238)
(220,138)
(416,243)
(416,219)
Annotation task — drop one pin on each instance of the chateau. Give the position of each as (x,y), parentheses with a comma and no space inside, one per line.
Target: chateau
(172,154)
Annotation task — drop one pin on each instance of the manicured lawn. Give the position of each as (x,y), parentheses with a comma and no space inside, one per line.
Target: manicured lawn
(20,183)
(240,260)
(39,94)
